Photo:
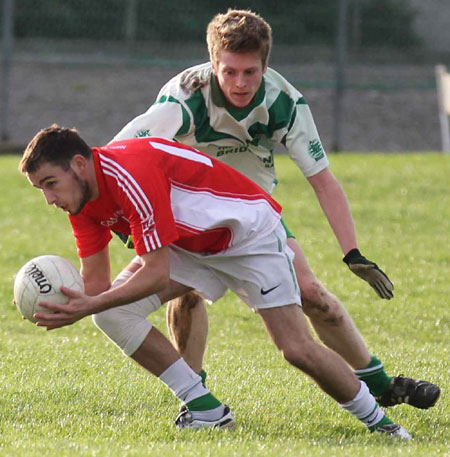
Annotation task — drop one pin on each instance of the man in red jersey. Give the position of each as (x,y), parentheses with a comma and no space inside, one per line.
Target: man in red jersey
(196,224)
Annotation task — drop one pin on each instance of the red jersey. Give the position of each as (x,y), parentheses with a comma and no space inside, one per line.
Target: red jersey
(163,192)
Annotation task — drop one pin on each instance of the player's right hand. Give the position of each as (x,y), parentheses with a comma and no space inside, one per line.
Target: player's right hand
(369,271)
(78,306)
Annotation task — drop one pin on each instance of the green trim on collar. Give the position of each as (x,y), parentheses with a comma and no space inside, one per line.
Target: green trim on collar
(238,113)
(204,132)
(216,93)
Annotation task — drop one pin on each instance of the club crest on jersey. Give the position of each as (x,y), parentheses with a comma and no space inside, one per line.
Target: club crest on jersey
(142,133)
(109,222)
(315,149)
(113,219)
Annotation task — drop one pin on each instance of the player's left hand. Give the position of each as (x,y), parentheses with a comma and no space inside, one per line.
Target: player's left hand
(192,80)
(78,306)
(370,272)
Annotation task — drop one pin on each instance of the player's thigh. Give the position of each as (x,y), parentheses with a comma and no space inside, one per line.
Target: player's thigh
(302,270)
(315,297)
(287,327)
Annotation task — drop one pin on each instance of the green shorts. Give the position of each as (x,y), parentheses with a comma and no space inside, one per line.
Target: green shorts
(289,234)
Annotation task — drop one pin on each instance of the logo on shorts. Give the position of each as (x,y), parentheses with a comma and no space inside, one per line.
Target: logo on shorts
(266,291)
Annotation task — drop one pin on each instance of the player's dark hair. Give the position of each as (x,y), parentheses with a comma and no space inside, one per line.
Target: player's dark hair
(56,145)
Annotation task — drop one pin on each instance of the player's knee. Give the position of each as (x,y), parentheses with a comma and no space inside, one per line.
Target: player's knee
(298,355)
(318,303)
(127,330)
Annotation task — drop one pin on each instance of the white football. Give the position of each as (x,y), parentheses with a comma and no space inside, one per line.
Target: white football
(39,280)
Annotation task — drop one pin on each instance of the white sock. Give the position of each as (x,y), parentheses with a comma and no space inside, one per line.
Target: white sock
(364,407)
(183,381)
(187,386)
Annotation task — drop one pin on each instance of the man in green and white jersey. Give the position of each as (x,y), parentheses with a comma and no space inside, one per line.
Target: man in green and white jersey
(243,138)
(237,109)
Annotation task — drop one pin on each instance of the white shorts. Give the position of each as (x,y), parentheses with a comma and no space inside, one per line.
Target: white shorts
(261,273)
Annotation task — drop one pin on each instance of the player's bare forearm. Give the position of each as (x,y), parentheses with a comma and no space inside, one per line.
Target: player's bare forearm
(150,278)
(334,204)
(337,210)
(147,280)
(81,305)
(96,272)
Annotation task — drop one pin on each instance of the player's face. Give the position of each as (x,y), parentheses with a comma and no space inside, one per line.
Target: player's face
(62,188)
(239,76)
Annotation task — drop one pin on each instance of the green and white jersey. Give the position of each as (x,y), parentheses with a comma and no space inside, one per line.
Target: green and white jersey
(243,138)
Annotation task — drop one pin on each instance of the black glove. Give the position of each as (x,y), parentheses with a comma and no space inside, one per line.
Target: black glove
(370,272)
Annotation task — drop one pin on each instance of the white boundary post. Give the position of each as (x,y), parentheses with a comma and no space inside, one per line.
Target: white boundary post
(130,25)
(443,94)
(6,57)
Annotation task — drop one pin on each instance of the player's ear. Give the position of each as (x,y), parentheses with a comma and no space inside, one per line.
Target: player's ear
(78,162)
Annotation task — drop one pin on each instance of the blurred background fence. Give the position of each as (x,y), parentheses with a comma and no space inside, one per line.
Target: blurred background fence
(366,67)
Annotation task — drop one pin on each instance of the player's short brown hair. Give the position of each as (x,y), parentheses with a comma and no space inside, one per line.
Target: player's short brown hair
(239,31)
(53,144)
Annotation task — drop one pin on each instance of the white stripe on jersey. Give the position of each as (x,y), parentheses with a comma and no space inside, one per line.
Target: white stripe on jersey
(137,197)
(202,209)
(184,153)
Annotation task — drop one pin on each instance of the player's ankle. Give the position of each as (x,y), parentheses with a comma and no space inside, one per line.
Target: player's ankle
(374,376)
(209,414)
(204,403)
(384,421)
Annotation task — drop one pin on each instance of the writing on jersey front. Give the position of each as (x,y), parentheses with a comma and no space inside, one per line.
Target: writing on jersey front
(221,151)
(114,219)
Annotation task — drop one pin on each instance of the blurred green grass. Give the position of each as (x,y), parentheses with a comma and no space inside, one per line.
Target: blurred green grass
(71,393)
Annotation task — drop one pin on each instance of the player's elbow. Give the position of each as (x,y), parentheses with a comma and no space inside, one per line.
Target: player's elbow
(161,283)
(155,270)
(324,182)
(153,282)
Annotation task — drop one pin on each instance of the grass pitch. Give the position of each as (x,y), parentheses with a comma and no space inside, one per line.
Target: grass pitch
(71,393)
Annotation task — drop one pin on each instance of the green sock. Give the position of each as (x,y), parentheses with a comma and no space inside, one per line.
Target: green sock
(382,422)
(202,374)
(375,377)
(208,401)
